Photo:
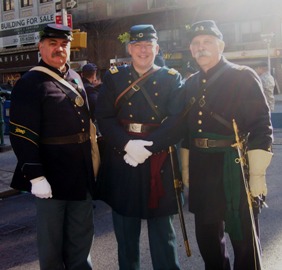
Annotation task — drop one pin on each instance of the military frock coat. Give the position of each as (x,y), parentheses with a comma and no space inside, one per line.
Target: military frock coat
(125,188)
(236,94)
(40,109)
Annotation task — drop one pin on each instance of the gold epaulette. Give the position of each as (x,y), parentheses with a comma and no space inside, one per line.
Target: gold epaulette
(241,67)
(113,69)
(172,71)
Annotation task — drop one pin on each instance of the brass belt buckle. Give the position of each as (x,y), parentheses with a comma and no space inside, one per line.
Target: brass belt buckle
(134,127)
(202,142)
(80,137)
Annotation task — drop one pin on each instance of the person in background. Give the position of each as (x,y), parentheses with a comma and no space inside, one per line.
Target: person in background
(136,172)
(222,91)
(49,133)
(159,59)
(268,83)
(89,79)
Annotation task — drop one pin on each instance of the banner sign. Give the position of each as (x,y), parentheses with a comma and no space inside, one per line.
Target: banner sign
(23,31)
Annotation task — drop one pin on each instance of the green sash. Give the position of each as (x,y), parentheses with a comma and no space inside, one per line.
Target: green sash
(231,182)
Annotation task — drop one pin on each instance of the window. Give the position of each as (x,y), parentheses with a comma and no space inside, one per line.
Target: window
(26,3)
(250,31)
(8,5)
(229,33)
(168,35)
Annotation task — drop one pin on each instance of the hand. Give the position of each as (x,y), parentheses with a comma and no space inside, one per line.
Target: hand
(184,155)
(258,185)
(258,163)
(136,149)
(129,160)
(41,188)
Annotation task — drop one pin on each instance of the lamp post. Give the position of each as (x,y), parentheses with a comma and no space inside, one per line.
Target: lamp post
(64,12)
(267,40)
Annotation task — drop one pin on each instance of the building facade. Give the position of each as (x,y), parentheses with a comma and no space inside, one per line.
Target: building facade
(252,30)
(20,24)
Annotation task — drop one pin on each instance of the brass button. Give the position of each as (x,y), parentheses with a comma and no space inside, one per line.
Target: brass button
(200,113)
(200,130)
(130,115)
(200,122)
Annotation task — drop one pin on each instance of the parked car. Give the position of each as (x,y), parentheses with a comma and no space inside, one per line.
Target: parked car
(5,94)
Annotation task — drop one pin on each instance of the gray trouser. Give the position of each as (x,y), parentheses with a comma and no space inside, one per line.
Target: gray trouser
(64,234)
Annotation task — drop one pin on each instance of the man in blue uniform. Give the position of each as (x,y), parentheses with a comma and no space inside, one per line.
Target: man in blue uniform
(50,136)
(220,92)
(137,124)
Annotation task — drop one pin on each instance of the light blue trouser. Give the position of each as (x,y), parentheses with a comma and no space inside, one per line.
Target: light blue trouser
(64,234)
(162,242)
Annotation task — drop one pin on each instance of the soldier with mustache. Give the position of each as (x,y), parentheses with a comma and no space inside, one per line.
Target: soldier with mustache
(50,137)
(220,92)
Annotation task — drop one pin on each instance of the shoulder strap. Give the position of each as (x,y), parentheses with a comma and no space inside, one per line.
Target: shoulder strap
(74,95)
(133,88)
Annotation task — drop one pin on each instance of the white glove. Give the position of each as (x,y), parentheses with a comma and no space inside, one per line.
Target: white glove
(258,163)
(136,149)
(41,188)
(129,160)
(184,156)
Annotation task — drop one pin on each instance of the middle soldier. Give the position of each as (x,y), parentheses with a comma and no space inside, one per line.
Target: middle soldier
(136,113)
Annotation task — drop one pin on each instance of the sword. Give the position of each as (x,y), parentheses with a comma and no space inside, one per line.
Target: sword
(243,163)
(178,188)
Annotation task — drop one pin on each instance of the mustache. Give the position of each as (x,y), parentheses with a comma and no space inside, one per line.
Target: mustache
(202,53)
(61,54)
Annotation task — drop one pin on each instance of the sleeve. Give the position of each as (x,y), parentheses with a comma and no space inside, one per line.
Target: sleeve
(106,114)
(25,120)
(255,114)
(172,128)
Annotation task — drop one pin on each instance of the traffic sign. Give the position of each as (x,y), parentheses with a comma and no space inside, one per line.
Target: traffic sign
(69,20)
(69,5)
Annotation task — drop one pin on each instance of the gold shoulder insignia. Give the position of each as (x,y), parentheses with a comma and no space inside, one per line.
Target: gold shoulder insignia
(241,67)
(113,69)
(172,71)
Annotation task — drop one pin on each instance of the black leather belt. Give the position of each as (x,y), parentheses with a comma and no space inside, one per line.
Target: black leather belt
(207,143)
(139,128)
(76,138)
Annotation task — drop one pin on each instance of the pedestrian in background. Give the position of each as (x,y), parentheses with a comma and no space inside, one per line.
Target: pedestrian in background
(136,173)
(50,137)
(268,83)
(220,92)
(88,74)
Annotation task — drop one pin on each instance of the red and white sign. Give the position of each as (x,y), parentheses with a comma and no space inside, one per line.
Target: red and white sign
(69,20)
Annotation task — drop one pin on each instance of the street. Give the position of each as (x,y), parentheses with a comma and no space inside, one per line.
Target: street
(18,240)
